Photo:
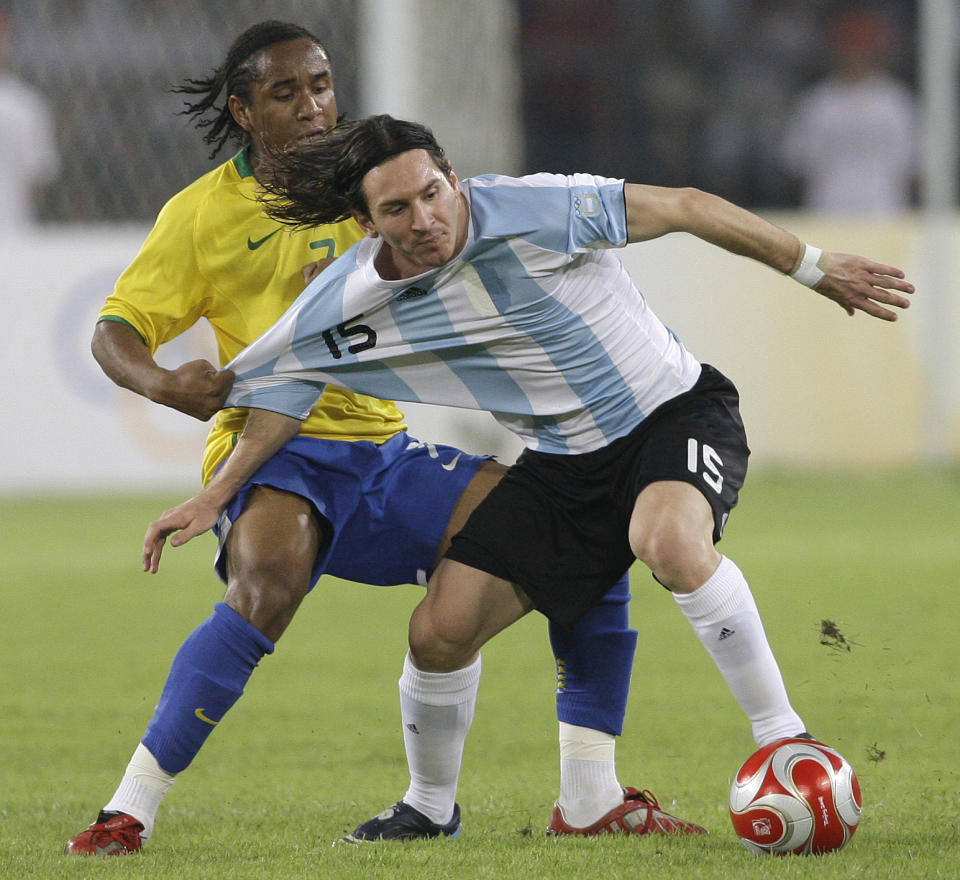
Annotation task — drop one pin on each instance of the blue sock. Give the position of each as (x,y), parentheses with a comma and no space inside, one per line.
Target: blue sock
(206,678)
(594,662)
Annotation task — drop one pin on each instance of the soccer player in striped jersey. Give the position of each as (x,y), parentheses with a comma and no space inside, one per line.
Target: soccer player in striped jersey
(322,505)
(504,294)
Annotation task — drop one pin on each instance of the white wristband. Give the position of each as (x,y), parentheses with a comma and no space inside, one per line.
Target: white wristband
(808,272)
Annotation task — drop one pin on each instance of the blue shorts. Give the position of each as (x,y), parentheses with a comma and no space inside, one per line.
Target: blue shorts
(384,506)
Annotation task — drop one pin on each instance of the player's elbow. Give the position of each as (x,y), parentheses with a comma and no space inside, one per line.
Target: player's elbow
(98,346)
(688,203)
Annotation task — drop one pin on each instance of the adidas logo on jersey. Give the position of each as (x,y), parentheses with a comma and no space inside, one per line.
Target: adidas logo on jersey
(412,293)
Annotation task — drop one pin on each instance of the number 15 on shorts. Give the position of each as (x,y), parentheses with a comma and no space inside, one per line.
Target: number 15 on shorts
(705,461)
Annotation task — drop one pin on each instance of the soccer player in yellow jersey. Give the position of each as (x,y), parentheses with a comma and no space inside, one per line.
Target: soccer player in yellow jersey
(352,495)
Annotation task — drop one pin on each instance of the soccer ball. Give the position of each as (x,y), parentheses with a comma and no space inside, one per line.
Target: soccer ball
(795,796)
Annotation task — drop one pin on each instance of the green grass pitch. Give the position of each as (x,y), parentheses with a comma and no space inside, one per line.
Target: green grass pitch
(314,746)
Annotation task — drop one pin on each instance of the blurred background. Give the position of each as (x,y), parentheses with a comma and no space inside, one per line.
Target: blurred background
(836,119)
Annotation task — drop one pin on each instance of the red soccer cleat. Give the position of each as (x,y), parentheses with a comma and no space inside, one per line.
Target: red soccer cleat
(113,834)
(638,814)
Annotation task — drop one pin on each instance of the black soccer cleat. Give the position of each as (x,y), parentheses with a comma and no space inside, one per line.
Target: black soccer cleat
(403,822)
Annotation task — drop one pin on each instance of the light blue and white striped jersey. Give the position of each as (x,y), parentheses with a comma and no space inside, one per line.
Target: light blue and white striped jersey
(536,321)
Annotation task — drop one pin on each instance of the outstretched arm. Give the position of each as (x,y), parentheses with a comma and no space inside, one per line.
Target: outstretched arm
(264,434)
(853,282)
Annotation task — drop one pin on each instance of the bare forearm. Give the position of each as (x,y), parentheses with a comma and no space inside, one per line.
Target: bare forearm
(196,388)
(123,357)
(721,223)
(655,211)
(264,434)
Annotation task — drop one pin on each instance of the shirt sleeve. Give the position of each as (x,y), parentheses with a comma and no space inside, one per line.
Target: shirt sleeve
(562,213)
(162,292)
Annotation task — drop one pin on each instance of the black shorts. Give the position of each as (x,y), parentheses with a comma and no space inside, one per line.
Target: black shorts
(557,525)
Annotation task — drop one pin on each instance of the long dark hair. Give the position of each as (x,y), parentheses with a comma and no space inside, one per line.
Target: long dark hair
(233,77)
(321,181)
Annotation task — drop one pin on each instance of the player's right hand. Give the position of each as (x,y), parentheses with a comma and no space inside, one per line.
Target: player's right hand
(185,521)
(197,388)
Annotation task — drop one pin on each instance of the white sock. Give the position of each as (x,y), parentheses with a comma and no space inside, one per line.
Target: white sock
(436,709)
(725,618)
(142,789)
(588,774)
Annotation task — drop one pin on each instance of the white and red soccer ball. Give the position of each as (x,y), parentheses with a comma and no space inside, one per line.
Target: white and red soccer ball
(795,796)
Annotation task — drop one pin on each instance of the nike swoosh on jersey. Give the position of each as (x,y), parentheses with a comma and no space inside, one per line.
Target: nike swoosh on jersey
(450,465)
(253,245)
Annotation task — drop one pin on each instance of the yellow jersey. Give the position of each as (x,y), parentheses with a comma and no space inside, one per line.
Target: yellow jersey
(214,254)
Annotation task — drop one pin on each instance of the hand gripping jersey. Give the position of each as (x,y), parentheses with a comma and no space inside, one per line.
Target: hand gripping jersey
(213,254)
(536,321)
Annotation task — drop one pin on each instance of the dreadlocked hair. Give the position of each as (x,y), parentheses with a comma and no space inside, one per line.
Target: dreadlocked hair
(233,77)
(321,181)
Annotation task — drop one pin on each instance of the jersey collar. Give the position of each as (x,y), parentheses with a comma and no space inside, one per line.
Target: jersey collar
(242,162)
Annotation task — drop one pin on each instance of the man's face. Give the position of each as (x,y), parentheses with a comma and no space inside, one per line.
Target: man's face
(292,97)
(417,210)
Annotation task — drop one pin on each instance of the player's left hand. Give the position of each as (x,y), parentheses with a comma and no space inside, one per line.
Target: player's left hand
(857,284)
(185,521)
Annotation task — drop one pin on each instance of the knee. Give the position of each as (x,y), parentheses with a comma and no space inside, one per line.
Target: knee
(268,581)
(681,558)
(270,554)
(266,589)
(435,646)
(657,544)
(671,532)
